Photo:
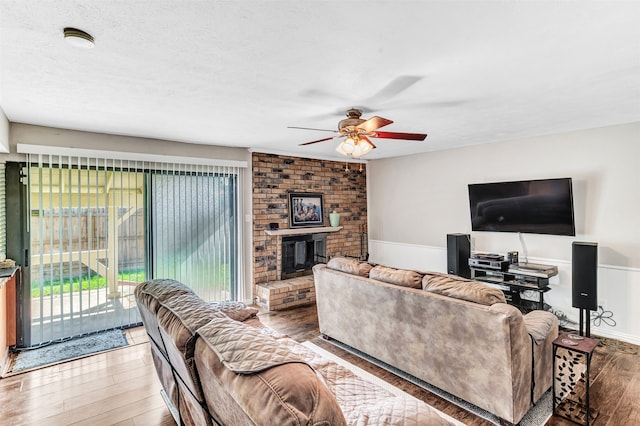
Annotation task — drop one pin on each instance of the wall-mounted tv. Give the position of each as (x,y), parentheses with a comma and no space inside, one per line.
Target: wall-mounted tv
(543,206)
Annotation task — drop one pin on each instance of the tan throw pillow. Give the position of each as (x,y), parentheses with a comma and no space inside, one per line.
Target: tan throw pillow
(462,288)
(401,277)
(350,266)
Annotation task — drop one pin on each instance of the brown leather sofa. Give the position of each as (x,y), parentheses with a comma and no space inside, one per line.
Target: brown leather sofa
(456,334)
(219,365)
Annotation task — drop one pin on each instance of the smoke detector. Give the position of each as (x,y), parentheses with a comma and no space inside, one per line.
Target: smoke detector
(78,38)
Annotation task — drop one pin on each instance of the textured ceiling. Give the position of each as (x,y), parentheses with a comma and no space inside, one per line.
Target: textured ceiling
(237,73)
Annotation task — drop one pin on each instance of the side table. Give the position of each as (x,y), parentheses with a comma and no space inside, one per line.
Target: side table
(571,364)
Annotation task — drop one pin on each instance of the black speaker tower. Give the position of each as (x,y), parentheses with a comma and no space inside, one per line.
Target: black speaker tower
(458,252)
(584,280)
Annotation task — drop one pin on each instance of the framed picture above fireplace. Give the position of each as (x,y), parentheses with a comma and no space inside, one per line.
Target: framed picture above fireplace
(305,209)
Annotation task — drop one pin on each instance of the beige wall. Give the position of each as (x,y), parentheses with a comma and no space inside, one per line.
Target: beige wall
(4,132)
(419,199)
(39,135)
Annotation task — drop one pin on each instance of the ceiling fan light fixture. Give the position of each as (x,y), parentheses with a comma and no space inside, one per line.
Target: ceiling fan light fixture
(362,147)
(347,146)
(78,38)
(345,149)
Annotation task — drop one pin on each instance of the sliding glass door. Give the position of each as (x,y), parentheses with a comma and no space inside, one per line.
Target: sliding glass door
(87,232)
(99,227)
(195,230)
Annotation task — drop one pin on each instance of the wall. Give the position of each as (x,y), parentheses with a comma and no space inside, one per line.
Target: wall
(275,176)
(38,135)
(415,201)
(4,132)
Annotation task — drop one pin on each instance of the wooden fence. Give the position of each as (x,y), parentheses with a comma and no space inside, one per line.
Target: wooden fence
(60,238)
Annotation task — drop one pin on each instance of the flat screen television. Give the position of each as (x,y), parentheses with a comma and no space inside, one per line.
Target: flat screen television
(543,206)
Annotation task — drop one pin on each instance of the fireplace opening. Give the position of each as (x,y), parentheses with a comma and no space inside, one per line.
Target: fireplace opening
(301,252)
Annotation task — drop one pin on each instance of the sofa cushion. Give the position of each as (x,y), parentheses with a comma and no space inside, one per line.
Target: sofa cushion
(350,266)
(462,288)
(401,277)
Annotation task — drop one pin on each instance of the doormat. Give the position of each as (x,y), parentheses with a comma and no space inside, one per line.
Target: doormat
(537,415)
(68,350)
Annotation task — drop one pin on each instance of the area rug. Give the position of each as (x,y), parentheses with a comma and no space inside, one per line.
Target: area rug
(68,350)
(370,377)
(538,415)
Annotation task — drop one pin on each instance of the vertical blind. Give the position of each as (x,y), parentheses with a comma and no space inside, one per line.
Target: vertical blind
(195,228)
(99,226)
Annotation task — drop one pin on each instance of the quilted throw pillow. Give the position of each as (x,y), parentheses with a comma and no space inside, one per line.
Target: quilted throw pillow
(350,266)
(401,277)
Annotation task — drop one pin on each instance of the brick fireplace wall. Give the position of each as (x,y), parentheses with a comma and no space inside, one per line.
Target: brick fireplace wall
(275,176)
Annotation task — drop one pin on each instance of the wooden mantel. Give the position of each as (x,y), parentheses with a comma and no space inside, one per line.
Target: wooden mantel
(302,231)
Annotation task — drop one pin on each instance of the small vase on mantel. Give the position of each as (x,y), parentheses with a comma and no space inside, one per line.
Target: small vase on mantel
(334,219)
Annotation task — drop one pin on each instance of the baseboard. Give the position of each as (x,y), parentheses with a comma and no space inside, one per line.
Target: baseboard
(614,335)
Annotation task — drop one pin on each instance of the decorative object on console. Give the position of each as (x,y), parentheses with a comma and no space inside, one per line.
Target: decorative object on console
(584,280)
(306,209)
(458,252)
(334,218)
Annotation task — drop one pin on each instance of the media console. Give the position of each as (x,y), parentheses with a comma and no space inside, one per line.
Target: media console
(515,279)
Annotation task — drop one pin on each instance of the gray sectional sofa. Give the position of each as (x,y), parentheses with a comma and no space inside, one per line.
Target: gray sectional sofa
(456,334)
(218,364)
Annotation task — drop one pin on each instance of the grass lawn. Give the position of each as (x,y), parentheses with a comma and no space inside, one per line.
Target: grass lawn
(85,283)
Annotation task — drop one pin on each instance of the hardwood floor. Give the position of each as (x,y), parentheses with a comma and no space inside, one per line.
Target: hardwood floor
(120,387)
(615,372)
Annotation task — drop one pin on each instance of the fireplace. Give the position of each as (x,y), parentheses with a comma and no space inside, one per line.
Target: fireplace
(301,252)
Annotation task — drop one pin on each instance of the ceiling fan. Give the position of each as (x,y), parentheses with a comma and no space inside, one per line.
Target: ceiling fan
(357,132)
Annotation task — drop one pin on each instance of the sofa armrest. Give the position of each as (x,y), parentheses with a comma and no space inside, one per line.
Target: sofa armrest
(543,328)
(539,324)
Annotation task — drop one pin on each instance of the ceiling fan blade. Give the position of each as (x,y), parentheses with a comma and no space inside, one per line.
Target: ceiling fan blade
(311,128)
(374,123)
(396,135)
(395,87)
(319,140)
